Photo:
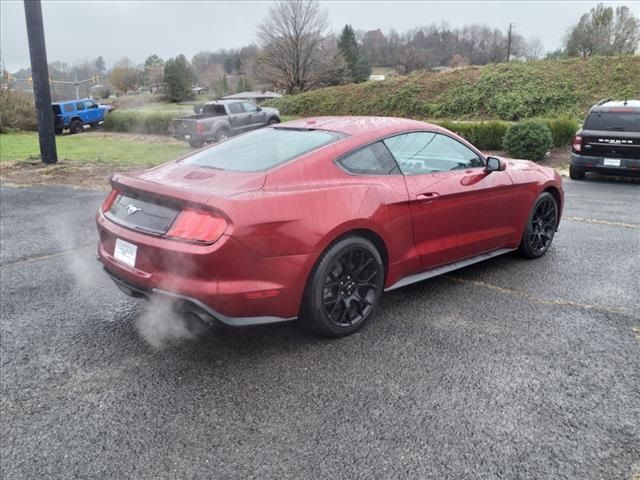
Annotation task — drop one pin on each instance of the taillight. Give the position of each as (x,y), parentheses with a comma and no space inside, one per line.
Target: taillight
(576,145)
(200,226)
(108,202)
(199,128)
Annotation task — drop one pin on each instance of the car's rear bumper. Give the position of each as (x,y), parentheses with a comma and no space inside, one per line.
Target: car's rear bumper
(226,280)
(186,304)
(628,166)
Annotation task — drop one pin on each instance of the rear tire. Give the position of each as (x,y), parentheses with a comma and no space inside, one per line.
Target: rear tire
(58,131)
(196,143)
(541,227)
(76,127)
(222,135)
(344,288)
(576,173)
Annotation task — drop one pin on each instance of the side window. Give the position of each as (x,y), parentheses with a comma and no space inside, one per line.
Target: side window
(373,159)
(235,108)
(424,152)
(79,106)
(90,104)
(67,107)
(249,107)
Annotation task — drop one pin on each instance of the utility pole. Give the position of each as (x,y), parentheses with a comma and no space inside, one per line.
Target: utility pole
(511,25)
(40,76)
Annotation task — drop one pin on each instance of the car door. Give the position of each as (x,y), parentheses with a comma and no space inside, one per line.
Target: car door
(93,111)
(82,112)
(256,118)
(237,118)
(458,209)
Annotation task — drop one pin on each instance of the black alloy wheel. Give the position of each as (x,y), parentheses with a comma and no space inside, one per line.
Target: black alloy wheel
(344,288)
(541,227)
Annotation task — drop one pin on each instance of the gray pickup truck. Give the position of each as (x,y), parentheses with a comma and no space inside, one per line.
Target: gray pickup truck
(222,119)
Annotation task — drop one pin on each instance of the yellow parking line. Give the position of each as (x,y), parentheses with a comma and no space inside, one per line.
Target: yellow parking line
(533,298)
(603,222)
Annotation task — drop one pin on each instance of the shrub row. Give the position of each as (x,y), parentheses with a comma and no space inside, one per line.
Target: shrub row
(490,135)
(137,122)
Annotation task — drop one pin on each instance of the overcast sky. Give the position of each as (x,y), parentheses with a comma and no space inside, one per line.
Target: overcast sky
(82,30)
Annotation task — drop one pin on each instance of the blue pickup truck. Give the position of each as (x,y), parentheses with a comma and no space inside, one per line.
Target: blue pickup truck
(75,114)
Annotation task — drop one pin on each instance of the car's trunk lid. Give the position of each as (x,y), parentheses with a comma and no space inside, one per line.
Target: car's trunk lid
(150,201)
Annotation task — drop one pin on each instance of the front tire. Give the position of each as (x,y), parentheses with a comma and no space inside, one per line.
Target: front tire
(576,173)
(274,121)
(541,227)
(344,288)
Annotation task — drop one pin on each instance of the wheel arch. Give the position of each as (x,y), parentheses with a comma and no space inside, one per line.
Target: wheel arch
(555,192)
(361,231)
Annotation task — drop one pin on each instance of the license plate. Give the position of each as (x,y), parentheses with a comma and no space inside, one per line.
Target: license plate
(187,137)
(125,252)
(611,162)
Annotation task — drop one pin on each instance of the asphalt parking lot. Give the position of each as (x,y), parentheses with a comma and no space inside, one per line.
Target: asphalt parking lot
(508,369)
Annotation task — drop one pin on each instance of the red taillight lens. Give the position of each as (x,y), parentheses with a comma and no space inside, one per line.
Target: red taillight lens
(106,205)
(576,145)
(199,128)
(197,226)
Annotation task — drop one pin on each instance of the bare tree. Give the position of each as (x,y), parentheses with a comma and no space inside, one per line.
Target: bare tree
(535,48)
(291,38)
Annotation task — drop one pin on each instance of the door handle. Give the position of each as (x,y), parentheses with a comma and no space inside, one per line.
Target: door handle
(428,196)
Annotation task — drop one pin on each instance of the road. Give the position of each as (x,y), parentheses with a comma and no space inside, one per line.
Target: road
(507,369)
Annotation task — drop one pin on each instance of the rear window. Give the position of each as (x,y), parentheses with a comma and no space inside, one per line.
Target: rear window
(613,121)
(262,149)
(56,109)
(211,109)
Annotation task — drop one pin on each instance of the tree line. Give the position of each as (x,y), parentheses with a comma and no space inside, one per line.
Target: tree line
(296,52)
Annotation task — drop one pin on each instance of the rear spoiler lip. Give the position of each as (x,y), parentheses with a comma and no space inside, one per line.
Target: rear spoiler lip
(130,184)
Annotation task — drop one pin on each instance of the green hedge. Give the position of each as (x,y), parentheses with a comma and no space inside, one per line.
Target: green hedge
(529,139)
(490,135)
(137,122)
(484,135)
(562,130)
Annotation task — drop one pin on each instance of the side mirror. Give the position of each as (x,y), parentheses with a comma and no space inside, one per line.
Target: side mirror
(259,109)
(494,164)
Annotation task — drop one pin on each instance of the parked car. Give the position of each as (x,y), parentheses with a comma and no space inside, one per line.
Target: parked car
(316,218)
(220,120)
(75,114)
(609,140)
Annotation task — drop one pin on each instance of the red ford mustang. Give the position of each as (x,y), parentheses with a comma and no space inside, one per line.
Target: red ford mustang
(316,218)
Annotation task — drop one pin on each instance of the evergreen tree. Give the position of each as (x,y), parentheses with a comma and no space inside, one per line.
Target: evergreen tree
(179,78)
(358,63)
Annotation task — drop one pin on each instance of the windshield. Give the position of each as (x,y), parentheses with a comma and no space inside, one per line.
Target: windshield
(613,121)
(262,149)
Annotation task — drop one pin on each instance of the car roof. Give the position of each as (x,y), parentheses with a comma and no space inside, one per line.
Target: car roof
(356,126)
(70,101)
(608,105)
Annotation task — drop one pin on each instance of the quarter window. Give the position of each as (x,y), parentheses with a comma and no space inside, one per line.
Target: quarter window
(373,159)
(79,106)
(67,107)
(425,152)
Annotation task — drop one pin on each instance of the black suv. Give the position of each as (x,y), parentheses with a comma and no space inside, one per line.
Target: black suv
(609,140)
